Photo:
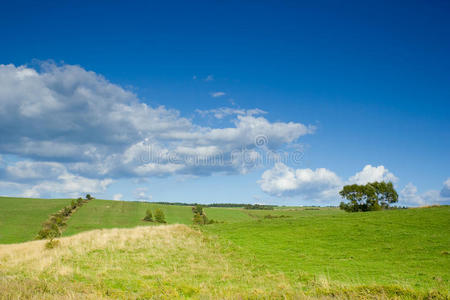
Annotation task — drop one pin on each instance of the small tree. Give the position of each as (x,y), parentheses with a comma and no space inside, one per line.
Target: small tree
(200,217)
(159,216)
(79,201)
(369,197)
(89,197)
(148,216)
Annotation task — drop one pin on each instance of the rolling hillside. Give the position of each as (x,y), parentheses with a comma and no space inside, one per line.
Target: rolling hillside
(284,253)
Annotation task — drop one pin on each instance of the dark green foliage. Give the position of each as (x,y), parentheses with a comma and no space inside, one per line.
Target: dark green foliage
(148,216)
(89,197)
(259,206)
(159,216)
(200,217)
(369,197)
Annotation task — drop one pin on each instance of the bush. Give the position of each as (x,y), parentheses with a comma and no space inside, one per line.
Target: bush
(159,216)
(73,204)
(200,217)
(148,216)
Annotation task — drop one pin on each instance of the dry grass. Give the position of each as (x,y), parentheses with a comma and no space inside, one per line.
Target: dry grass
(159,262)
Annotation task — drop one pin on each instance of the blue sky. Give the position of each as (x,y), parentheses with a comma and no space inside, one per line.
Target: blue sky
(371,80)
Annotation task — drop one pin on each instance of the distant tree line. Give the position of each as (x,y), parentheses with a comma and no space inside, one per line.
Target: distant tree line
(259,206)
(238,205)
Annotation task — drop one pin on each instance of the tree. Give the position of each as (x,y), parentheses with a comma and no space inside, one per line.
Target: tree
(148,216)
(369,197)
(89,197)
(159,216)
(200,217)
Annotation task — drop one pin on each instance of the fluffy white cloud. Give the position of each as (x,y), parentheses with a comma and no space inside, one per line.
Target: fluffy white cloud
(35,179)
(320,185)
(74,122)
(445,192)
(410,196)
(117,197)
(370,174)
(141,194)
(217,94)
(282,180)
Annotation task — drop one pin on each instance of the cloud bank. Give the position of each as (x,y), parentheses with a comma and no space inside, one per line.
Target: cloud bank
(67,129)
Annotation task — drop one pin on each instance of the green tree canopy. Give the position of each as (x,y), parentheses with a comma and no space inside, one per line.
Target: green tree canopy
(372,196)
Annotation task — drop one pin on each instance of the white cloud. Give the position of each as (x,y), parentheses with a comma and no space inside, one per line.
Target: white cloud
(117,197)
(72,122)
(223,112)
(445,192)
(217,94)
(309,184)
(370,174)
(209,78)
(141,194)
(410,196)
(35,179)
(321,185)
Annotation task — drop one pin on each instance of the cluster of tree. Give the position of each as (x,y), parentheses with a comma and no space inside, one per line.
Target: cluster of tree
(200,217)
(53,226)
(159,216)
(259,206)
(369,197)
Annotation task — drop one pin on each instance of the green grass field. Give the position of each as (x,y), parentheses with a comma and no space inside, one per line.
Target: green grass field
(306,252)
(21,218)
(99,214)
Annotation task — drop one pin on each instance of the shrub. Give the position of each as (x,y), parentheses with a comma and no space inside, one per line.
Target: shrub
(200,217)
(73,204)
(148,216)
(159,216)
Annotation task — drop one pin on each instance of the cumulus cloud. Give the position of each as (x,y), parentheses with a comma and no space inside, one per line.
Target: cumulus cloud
(74,122)
(223,112)
(36,179)
(217,94)
(370,174)
(321,185)
(117,197)
(141,194)
(410,196)
(282,180)
(445,192)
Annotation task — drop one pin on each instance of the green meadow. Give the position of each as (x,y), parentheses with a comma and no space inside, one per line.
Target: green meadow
(108,251)
(21,218)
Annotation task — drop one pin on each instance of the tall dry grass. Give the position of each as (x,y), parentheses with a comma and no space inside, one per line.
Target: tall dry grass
(158,262)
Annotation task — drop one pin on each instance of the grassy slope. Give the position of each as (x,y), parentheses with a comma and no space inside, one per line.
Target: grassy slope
(405,247)
(21,218)
(120,214)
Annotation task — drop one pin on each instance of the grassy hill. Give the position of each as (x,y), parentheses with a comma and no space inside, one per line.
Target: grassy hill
(287,252)
(21,218)
(121,214)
